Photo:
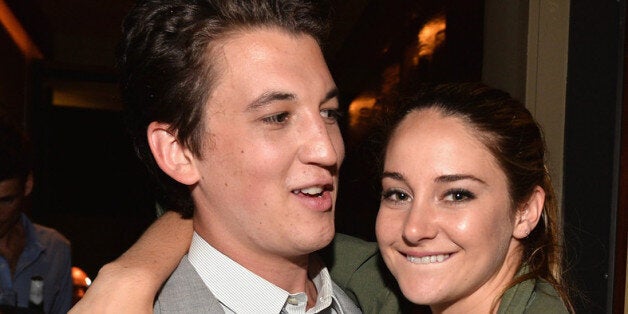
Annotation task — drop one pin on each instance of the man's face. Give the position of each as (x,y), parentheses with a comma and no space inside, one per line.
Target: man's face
(269,167)
(12,194)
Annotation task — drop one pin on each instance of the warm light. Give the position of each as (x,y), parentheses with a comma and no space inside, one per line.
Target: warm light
(80,278)
(18,33)
(92,95)
(360,109)
(80,283)
(431,36)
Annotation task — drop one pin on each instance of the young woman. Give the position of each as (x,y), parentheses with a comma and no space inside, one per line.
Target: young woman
(467,218)
(466,222)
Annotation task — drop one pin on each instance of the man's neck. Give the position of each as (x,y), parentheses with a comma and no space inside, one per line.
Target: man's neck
(287,273)
(290,274)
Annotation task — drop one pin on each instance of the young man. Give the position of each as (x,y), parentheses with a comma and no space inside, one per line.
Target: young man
(26,249)
(233,108)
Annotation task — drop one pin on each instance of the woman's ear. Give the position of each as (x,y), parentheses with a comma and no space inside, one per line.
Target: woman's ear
(171,156)
(529,213)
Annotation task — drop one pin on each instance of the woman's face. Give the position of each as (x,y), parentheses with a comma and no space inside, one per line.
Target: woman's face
(445,223)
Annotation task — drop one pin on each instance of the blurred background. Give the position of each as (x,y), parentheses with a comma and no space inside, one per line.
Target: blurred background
(565,59)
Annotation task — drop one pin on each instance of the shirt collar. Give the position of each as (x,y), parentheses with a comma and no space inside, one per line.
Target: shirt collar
(322,281)
(33,246)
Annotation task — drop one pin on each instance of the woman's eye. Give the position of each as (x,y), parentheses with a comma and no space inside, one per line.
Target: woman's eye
(458,195)
(333,115)
(276,118)
(396,196)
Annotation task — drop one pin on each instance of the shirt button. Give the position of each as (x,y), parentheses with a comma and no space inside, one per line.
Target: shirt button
(293,301)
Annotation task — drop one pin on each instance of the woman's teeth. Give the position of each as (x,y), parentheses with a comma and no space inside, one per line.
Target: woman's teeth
(427,259)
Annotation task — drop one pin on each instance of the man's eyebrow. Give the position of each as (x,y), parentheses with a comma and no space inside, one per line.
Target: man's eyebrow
(269,97)
(457,177)
(331,94)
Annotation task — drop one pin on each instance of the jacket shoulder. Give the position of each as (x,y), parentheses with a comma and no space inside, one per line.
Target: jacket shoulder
(545,299)
(185,292)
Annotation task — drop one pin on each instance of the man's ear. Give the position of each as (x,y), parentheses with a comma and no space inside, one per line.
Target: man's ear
(529,213)
(171,156)
(28,184)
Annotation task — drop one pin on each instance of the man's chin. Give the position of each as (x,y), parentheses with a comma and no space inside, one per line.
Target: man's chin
(319,240)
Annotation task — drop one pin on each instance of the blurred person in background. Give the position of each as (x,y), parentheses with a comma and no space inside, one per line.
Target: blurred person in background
(27,250)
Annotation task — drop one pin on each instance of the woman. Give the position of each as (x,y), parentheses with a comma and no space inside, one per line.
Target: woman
(466,222)
(467,218)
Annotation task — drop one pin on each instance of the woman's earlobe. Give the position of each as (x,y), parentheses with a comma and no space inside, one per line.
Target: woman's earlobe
(529,214)
(171,156)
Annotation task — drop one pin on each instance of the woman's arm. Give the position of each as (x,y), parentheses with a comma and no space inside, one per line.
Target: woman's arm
(129,284)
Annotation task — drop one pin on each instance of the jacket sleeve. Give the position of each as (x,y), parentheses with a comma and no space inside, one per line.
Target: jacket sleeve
(356,266)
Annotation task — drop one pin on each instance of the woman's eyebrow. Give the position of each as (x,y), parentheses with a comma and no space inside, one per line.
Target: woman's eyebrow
(457,177)
(393,175)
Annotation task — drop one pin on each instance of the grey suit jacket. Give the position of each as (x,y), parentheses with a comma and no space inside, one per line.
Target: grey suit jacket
(185,292)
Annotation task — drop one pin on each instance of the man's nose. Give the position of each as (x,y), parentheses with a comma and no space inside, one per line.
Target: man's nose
(322,144)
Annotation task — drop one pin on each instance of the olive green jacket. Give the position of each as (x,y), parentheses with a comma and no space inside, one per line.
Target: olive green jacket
(532,296)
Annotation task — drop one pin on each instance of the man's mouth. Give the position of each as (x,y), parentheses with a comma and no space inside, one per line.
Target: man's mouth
(311,191)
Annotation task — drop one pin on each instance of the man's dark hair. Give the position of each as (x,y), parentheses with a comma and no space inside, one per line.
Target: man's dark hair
(167,69)
(15,154)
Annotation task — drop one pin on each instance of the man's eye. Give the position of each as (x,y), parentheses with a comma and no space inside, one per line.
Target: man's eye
(7,200)
(276,118)
(332,115)
(458,195)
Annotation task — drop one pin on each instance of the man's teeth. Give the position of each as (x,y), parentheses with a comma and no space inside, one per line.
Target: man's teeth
(428,259)
(311,191)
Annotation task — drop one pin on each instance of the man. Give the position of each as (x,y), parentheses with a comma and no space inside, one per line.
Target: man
(26,249)
(233,108)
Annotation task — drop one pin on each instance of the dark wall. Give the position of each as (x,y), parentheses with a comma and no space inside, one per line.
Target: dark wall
(89,184)
(592,149)
(12,76)
(619,287)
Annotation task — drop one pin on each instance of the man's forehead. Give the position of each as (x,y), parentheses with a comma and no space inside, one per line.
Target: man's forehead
(267,65)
